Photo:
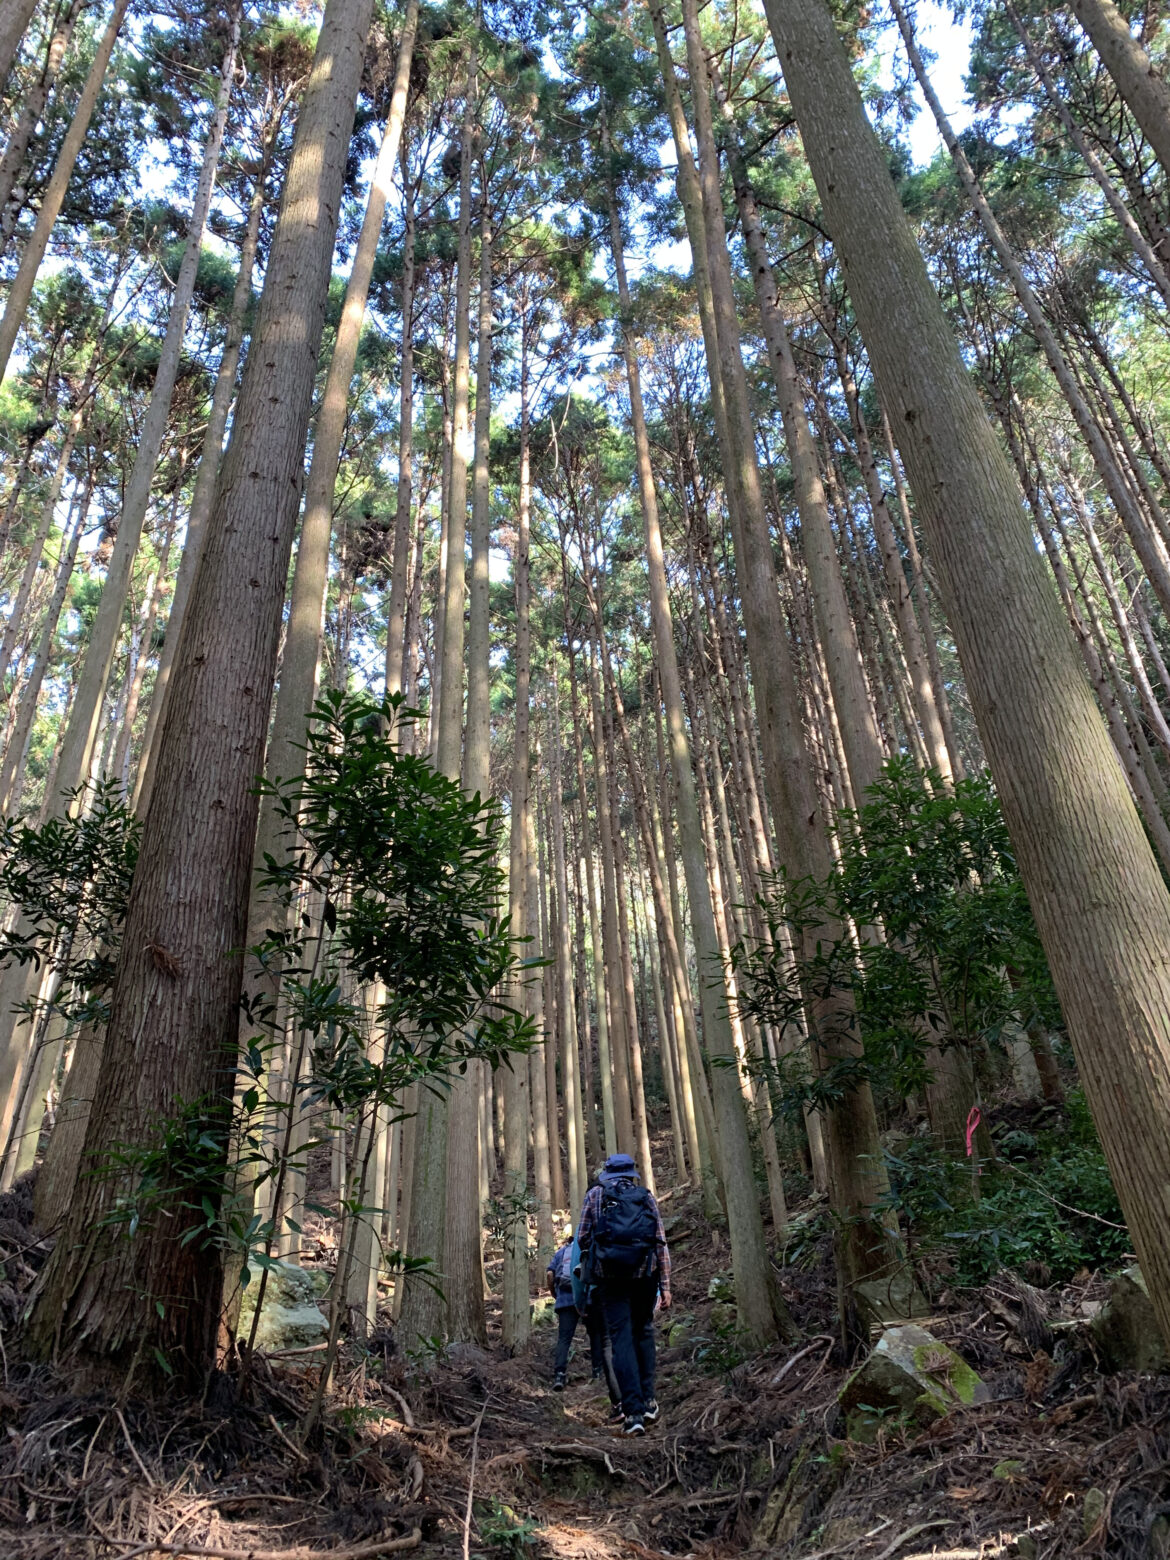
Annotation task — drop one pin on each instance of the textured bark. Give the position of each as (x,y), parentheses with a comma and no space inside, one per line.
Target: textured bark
(396,607)
(423,1311)
(93,678)
(1146,94)
(206,475)
(464,1222)
(33,104)
(21,286)
(172,1028)
(1121,213)
(155,590)
(1100,903)
(1147,543)
(15,16)
(858,1175)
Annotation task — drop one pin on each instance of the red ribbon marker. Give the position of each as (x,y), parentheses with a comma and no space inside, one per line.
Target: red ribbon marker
(973,1120)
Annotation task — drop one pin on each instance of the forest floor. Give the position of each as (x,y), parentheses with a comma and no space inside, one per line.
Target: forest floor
(477,1456)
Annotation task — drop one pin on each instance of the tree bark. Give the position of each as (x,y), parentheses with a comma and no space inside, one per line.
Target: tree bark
(1145,92)
(34,102)
(21,287)
(1100,903)
(396,607)
(205,478)
(464,1222)
(15,16)
(78,742)
(858,1175)
(172,1030)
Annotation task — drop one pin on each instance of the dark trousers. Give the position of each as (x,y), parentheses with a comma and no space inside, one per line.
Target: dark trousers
(628,1304)
(601,1351)
(567,1318)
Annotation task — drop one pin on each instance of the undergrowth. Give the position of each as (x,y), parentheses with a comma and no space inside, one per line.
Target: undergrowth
(1044,1207)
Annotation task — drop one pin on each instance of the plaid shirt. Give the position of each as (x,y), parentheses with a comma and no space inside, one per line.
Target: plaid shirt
(592,1207)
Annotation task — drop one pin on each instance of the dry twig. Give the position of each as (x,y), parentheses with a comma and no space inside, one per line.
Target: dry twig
(378,1546)
(471,1483)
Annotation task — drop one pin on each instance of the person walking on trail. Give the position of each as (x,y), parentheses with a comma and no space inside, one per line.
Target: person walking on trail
(624,1252)
(574,1301)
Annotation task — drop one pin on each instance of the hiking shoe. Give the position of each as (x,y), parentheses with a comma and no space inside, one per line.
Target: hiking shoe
(616,1412)
(559,1381)
(652,1412)
(634,1426)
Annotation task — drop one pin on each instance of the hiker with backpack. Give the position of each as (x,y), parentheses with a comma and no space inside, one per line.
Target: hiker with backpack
(575,1301)
(624,1253)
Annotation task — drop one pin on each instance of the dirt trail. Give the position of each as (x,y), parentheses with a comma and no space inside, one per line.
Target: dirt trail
(749,1453)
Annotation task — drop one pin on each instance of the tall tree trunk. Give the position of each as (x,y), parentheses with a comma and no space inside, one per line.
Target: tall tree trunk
(464,1223)
(205,480)
(15,16)
(21,286)
(105,1302)
(1146,94)
(14,757)
(858,1176)
(618,1042)
(755,1288)
(77,746)
(863,749)
(1147,543)
(1100,903)
(563,954)
(16,613)
(34,102)
(396,608)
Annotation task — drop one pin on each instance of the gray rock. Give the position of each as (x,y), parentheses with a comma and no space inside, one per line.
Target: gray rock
(1126,1327)
(721,1287)
(909,1375)
(892,1299)
(290,1317)
(543,1311)
(682,1331)
(723,1316)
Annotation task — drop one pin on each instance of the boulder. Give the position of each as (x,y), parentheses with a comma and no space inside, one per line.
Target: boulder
(721,1287)
(894,1298)
(543,1311)
(723,1316)
(682,1332)
(911,1376)
(290,1317)
(1126,1327)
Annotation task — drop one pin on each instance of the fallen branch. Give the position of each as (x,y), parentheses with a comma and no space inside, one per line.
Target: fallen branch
(799,1355)
(407,1412)
(582,1449)
(471,1483)
(297,1452)
(379,1546)
(912,1532)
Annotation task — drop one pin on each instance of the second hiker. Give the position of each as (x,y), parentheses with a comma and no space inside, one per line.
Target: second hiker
(624,1253)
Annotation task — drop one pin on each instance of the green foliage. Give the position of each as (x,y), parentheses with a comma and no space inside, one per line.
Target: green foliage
(959,958)
(505,1532)
(1047,1205)
(70,878)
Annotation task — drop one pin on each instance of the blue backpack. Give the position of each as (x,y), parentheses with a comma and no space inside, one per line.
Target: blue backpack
(626,1236)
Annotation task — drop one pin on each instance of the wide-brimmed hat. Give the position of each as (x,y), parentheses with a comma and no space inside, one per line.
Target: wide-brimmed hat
(618,1164)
